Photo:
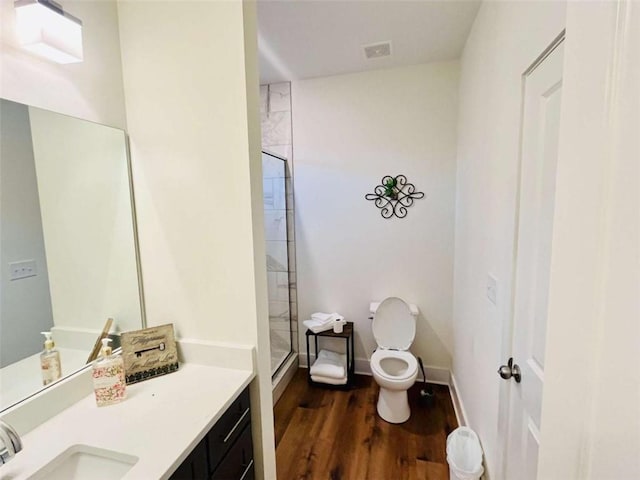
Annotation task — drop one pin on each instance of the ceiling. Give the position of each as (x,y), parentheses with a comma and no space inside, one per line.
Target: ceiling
(312,38)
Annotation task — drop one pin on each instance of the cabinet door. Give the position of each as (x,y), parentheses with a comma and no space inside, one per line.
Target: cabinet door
(195,466)
(238,463)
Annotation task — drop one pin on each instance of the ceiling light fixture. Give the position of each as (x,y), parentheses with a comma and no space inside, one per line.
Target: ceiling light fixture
(46,30)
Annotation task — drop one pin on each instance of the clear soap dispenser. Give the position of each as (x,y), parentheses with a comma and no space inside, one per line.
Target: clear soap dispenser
(50,361)
(108,376)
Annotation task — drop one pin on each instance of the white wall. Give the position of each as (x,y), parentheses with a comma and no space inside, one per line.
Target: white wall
(190,76)
(350,131)
(505,39)
(191,164)
(25,304)
(83,183)
(91,90)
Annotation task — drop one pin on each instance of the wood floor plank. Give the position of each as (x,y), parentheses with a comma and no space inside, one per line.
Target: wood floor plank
(295,456)
(337,435)
(286,407)
(431,471)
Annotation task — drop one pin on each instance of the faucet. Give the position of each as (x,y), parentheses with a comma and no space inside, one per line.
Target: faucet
(11,441)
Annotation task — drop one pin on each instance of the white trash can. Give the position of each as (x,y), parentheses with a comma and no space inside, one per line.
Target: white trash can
(464,455)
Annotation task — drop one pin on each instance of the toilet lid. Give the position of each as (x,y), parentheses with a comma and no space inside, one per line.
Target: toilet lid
(393,325)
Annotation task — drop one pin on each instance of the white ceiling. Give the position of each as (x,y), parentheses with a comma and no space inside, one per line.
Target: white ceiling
(302,39)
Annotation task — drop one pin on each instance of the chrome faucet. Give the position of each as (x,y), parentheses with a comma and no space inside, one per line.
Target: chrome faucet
(11,441)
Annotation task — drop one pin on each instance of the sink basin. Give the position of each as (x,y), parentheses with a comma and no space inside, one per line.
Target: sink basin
(85,462)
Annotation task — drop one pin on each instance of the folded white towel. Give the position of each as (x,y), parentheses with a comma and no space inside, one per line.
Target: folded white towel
(321,317)
(329,380)
(329,364)
(373,308)
(326,317)
(316,327)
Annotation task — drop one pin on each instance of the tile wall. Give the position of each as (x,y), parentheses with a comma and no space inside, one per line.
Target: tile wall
(275,111)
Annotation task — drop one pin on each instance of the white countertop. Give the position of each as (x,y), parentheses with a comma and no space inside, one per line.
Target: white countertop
(159,422)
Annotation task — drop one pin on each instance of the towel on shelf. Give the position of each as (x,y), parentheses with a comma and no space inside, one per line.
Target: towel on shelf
(326,317)
(316,326)
(329,364)
(329,380)
(321,322)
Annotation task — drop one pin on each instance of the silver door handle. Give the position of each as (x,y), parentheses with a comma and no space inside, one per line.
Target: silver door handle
(235,427)
(510,370)
(246,470)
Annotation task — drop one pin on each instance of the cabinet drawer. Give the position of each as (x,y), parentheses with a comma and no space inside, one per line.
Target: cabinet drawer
(228,429)
(238,463)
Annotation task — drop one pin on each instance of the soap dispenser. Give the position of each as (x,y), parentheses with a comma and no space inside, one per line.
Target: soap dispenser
(108,376)
(50,361)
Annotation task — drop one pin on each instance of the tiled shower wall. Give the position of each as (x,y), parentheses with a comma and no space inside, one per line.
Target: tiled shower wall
(275,112)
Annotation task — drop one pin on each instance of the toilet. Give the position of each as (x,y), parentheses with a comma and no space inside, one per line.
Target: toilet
(394,368)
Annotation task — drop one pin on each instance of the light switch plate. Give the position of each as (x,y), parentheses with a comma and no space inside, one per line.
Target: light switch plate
(492,289)
(24,269)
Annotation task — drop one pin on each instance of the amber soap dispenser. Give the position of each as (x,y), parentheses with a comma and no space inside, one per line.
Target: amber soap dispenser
(108,376)
(50,361)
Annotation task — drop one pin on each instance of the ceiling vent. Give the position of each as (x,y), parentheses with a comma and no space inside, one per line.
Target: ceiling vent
(377,50)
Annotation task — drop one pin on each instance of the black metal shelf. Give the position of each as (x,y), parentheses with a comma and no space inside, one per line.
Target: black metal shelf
(348,335)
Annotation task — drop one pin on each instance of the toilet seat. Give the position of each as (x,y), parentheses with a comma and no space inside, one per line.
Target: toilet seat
(379,357)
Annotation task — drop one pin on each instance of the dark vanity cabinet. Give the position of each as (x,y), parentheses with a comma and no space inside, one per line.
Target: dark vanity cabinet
(226,452)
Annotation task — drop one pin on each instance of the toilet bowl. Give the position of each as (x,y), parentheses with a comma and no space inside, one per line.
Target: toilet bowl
(394,368)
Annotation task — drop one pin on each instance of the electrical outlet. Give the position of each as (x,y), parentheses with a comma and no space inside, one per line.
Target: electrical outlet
(24,269)
(492,289)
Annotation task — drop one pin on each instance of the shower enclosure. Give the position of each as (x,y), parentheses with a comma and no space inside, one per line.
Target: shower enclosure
(276,203)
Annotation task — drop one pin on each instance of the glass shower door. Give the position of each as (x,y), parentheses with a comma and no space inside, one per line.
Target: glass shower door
(276,231)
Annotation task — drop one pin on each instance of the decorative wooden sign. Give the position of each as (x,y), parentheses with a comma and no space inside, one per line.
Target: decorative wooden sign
(149,353)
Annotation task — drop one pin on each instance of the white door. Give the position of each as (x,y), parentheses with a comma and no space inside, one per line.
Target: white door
(542,92)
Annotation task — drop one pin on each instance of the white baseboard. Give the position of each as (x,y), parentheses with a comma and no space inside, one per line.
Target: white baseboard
(284,377)
(437,375)
(456,399)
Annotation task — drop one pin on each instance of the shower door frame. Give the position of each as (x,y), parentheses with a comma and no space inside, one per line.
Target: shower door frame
(291,292)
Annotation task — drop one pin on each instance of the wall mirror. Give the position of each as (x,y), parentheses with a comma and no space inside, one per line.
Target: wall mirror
(68,248)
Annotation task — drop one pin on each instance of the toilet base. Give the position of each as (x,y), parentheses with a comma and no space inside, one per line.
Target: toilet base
(393,405)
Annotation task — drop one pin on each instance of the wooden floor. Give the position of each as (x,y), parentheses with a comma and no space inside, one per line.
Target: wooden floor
(331,434)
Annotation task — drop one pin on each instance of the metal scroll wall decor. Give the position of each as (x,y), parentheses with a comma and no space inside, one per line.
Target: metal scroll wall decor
(394,195)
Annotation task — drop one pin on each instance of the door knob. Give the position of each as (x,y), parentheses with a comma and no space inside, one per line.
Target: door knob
(510,370)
